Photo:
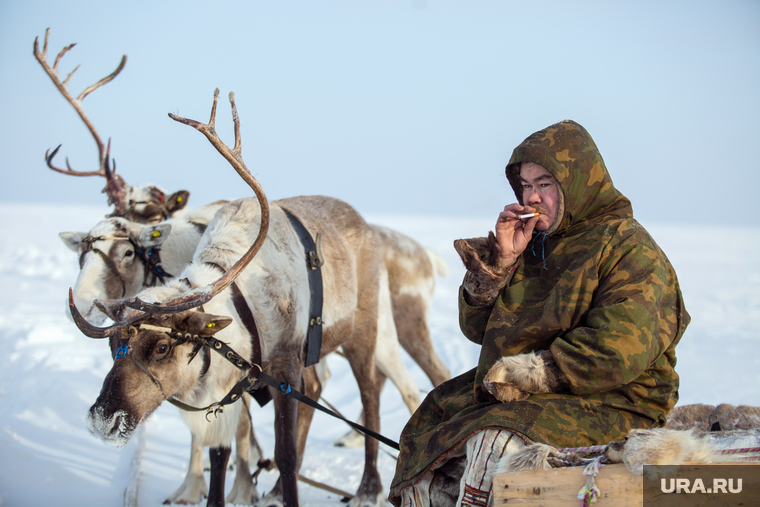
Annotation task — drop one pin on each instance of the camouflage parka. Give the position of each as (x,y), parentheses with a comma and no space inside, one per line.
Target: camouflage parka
(598,293)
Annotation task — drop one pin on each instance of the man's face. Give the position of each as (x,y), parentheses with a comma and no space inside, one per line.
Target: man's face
(540,192)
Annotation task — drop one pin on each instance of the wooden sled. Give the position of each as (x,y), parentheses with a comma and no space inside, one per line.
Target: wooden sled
(559,487)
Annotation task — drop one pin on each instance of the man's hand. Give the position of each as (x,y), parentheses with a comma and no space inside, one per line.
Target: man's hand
(514,234)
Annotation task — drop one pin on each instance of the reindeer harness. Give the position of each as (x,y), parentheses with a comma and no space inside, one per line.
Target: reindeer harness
(249,382)
(253,373)
(151,259)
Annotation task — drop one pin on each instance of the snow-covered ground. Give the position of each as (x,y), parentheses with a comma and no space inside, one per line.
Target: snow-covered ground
(50,374)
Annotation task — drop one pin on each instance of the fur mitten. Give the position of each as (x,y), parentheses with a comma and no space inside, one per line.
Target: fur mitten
(517,377)
(485,278)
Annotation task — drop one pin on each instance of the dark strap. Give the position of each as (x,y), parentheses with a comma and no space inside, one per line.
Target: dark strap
(262,396)
(285,389)
(314,262)
(151,259)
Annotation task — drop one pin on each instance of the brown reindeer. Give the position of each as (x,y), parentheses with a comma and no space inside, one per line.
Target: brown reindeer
(159,342)
(145,203)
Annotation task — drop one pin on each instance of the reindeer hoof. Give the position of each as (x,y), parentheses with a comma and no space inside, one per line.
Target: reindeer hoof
(271,501)
(368,501)
(350,439)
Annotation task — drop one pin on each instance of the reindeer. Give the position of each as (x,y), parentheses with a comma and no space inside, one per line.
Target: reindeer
(109,269)
(157,339)
(146,203)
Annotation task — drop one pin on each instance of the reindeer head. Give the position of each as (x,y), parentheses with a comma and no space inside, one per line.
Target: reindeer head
(150,204)
(145,203)
(153,360)
(114,260)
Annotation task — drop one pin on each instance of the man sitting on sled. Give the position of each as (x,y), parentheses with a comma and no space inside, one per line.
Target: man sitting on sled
(578,313)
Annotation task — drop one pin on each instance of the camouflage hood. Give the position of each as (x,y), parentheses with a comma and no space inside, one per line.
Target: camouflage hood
(568,152)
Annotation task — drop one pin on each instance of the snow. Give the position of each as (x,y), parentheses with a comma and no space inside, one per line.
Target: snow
(50,374)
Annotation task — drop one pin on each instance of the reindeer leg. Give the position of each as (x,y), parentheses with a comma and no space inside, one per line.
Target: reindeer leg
(414,337)
(388,355)
(219,457)
(312,389)
(285,447)
(193,489)
(369,493)
(243,490)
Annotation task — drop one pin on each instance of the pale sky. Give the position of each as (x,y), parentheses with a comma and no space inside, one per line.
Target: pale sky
(402,107)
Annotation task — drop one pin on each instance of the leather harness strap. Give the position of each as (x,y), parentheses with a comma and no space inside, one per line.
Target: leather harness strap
(259,393)
(314,262)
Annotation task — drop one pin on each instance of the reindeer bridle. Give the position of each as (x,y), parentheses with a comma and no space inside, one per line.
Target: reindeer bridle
(150,257)
(248,382)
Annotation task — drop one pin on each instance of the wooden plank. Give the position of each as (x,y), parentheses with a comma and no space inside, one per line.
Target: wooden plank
(560,486)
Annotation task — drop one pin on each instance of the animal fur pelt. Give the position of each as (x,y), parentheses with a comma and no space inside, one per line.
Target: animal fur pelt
(660,446)
(533,457)
(663,446)
(724,417)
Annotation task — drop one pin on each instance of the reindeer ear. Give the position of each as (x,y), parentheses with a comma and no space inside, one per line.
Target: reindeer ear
(203,324)
(177,201)
(72,239)
(153,235)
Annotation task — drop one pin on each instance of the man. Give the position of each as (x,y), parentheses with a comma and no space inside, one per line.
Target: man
(578,313)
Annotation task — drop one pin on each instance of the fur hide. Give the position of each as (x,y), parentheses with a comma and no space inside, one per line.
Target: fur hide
(724,417)
(663,446)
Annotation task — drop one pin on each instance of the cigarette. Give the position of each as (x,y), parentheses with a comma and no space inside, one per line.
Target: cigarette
(529,215)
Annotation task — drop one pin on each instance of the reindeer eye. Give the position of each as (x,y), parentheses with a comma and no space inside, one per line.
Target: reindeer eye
(161,351)
(129,253)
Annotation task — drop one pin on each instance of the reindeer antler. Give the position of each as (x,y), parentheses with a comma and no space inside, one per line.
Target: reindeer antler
(115,188)
(91,331)
(197,297)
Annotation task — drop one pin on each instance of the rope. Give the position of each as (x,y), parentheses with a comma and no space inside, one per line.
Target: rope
(743,450)
(582,450)
(601,448)
(589,493)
